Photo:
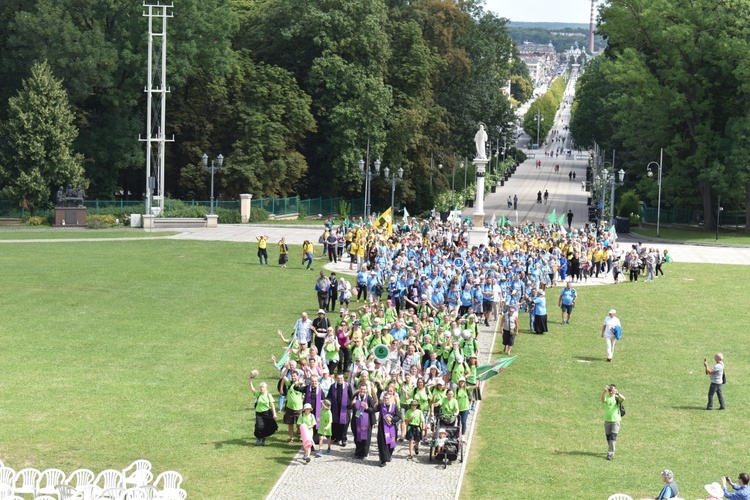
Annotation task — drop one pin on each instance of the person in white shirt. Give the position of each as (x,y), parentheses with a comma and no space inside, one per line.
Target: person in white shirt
(608,332)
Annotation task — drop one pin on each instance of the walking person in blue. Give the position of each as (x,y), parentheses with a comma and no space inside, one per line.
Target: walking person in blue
(567,301)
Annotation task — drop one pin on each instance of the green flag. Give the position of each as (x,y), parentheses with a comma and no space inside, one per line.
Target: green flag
(502,221)
(552,217)
(281,362)
(613,232)
(491,369)
(561,221)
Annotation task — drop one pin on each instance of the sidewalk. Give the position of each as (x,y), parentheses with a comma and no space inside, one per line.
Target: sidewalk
(347,477)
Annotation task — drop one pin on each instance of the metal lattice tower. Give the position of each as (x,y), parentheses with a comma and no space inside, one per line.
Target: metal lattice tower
(592,25)
(156,96)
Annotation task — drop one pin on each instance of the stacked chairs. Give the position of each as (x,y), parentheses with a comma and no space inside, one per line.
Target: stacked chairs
(136,482)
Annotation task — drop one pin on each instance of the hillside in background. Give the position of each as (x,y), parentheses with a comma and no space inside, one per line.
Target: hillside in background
(562,35)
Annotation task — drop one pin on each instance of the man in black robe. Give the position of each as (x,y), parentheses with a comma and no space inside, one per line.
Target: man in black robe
(363,419)
(340,395)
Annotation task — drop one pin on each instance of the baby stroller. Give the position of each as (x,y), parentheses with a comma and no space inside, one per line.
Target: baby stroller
(453,448)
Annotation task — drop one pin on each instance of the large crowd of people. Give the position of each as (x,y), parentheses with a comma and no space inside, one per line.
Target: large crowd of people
(402,354)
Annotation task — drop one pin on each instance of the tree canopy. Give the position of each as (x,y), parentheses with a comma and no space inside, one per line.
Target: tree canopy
(290,92)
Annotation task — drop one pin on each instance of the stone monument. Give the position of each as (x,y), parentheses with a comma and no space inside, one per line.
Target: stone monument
(69,208)
(478,234)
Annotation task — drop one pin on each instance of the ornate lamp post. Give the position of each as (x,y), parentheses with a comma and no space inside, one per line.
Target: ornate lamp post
(394,180)
(651,174)
(213,169)
(367,172)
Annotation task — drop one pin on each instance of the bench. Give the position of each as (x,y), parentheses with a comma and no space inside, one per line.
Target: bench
(11,221)
(177,222)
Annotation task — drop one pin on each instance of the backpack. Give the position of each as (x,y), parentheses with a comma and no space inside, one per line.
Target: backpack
(622,407)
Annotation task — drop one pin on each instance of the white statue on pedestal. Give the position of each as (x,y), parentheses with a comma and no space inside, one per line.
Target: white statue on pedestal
(480,139)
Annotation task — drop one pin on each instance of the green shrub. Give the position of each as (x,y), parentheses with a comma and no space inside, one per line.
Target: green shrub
(227,216)
(99,221)
(188,211)
(261,214)
(629,204)
(301,210)
(345,208)
(36,221)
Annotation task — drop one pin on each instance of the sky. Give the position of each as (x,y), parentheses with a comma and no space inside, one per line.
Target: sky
(562,11)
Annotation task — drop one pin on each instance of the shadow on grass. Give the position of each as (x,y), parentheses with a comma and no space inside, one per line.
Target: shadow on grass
(588,358)
(579,453)
(689,407)
(234,442)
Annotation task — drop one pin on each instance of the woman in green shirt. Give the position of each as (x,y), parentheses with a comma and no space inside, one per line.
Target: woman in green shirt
(265,413)
(450,408)
(463,396)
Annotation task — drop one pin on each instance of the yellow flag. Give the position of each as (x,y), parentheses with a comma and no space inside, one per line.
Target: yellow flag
(385,220)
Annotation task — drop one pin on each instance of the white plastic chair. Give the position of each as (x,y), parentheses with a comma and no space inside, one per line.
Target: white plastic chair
(80,477)
(67,492)
(28,479)
(113,494)
(168,480)
(48,478)
(142,493)
(90,492)
(172,494)
(620,496)
(133,474)
(2,464)
(138,478)
(6,492)
(45,497)
(7,476)
(110,478)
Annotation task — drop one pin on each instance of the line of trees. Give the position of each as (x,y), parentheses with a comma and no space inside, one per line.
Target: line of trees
(289,91)
(674,75)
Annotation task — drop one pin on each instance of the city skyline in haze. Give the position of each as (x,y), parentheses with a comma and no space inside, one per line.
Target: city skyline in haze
(556,11)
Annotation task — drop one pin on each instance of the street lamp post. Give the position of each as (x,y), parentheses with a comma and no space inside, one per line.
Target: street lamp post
(453,188)
(539,119)
(394,179)
(658,204)
(366,171)
(615,184)
(213,169)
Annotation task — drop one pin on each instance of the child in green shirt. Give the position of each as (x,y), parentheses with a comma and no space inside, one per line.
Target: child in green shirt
(308,419)
(415,427)
(325,427)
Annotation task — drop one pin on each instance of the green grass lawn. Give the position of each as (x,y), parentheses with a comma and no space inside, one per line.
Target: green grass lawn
(541,427)
(56,233)
(696,235)
(142,349)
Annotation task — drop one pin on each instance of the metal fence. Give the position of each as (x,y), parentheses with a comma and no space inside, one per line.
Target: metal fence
(312,206)
(690,216)
(276,206)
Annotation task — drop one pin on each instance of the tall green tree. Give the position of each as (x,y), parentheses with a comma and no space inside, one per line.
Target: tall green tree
(38,153)
(99,49)
(695,53)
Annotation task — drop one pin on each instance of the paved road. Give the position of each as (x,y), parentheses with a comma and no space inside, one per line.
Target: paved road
(347,477)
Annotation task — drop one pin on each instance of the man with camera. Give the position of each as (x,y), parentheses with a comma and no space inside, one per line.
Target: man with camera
(717,380)
(741,490)
(611,399)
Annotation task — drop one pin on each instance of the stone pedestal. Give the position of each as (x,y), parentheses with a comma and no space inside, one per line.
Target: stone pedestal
(148,222)
(478,234)
(245,206)
(212,221)
(70,216)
